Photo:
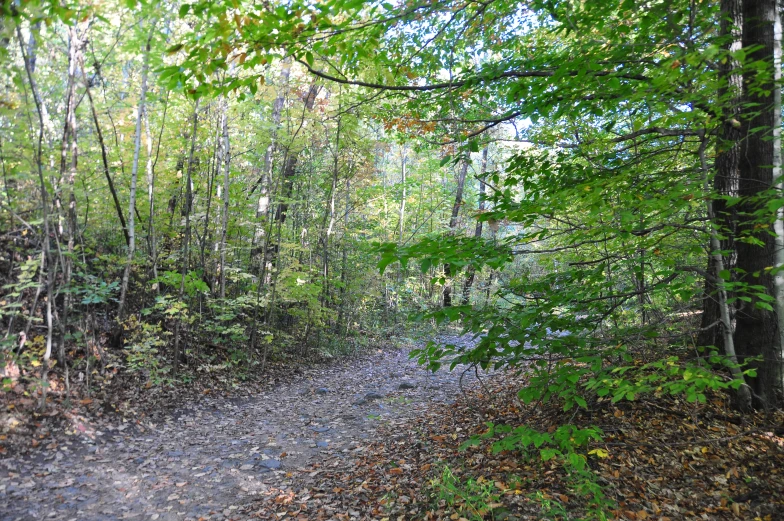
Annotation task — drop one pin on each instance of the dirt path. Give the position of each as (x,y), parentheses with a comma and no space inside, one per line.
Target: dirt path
(205,460)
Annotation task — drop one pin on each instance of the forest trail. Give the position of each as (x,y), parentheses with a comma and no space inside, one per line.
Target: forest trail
(207,459)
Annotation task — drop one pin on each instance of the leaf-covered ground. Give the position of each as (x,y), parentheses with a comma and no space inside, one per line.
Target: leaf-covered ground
(206,458)
(378,438)
(663,459)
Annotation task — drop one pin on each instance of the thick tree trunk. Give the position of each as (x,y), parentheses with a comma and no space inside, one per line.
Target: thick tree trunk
(756,333)
(725,182)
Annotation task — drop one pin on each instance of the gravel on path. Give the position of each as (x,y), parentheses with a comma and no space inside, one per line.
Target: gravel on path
(205,460)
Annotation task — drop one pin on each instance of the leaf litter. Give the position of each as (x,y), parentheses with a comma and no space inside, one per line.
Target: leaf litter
(664,459)
(374,438)
(208,457)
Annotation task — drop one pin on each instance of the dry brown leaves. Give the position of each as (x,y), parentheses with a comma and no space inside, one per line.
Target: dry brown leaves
(666,460)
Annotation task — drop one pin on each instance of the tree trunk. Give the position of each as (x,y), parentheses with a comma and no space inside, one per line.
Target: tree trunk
(186,234)
(743,397)
(212,171)
(69,144)
(105,161)
(45,214)
(777,179)
(471,273)
(134,176)
(266,173)
(151,162)
(725,182)
(447,292)
(756,333)
(225,212)
(342,323)
(292,156)
(330,212)
(401,219)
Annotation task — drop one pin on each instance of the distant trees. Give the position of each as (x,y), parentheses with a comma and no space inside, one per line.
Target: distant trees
(264,193)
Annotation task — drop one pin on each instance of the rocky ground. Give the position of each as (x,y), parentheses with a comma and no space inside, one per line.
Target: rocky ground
(208,458)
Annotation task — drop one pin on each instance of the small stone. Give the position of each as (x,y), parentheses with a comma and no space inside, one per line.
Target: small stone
(406,385)
(270,464)
(322,390)
(246,467)
(322,444)
(320,429)
(368,397)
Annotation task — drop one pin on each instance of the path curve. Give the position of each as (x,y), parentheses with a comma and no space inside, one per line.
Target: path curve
(205,460)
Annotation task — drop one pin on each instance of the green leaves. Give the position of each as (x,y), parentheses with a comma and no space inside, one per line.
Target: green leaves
(174,49)
(459,252)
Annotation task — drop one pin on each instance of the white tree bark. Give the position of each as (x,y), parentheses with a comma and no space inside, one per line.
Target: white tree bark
(47,252)
(402,211)
(777,180)
(150,171)
(277,108)
(134,176)
(226,181)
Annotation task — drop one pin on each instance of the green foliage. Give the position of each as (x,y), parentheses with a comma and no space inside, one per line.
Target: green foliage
(170,307)
(94,291)
(10,304)
(193,282)
(566,445)
(142,350)
(473,498)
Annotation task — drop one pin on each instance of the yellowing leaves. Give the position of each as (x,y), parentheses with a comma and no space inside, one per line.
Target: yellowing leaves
(599,453)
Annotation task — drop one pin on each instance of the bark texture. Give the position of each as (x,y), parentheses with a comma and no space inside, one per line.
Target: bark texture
(756,333)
